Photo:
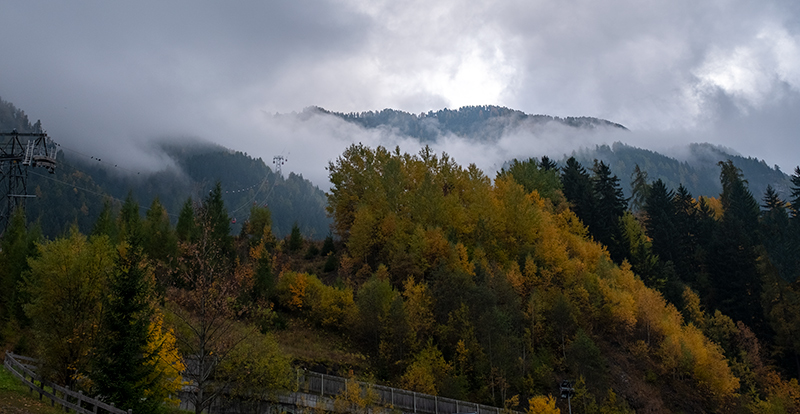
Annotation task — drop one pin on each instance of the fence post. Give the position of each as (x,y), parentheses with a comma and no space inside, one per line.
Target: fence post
(436,404)
(322,385)
(414,397)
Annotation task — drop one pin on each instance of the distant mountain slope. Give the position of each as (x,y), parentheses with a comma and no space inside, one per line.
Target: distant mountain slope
(477,122)
(74,195)
(698,172)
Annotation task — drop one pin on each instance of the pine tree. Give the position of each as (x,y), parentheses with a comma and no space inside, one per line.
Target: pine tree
(129,220)
(577,187)
(660,221)
(16,245)
(105,222)
(610,205)
(687,224)
(795,201)
(639,188)
(214,215)
(547,164)
(121,361)
(295,238)
(775,223)
(186,228)
(733,257)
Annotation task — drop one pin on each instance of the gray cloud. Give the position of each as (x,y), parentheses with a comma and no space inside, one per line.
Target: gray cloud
(108,77)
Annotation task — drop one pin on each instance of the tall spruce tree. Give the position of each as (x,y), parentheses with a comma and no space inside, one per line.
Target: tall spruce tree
(660,221)
(129,220)
(16,245)
(610,205)
(122,364)
(733,258)
(639,188)
(577,187)
(214,215)
(775,223)
(687,224)
(186,229)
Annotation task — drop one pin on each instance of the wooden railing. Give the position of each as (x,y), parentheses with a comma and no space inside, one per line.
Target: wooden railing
(68,399)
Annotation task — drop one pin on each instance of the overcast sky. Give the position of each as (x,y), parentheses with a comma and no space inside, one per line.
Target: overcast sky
(106,77)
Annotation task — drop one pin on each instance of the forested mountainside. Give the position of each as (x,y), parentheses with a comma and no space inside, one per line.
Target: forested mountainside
(437,278)
(486,122)
(697,171)
(81,185)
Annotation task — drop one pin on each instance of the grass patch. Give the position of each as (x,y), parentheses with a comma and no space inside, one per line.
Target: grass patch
(15,398)
(318,349)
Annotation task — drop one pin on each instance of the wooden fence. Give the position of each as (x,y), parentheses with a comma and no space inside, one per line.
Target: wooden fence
(398,399)
(63,396)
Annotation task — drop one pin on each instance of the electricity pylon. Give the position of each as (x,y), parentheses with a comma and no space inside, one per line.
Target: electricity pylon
(279,160)
(38,150)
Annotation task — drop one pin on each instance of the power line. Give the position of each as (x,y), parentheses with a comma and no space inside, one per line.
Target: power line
(146,209)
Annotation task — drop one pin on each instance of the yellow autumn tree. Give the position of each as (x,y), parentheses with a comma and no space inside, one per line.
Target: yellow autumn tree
(541,404)
(165,377)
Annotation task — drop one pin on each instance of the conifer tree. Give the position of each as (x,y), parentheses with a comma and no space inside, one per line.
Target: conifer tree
(639,188)
(105,224)
(733,257)
(186,228)
(610,204)
(795,200)
(129,220)
(547,164)
(775,223)
(687,228)
(121,362)
(577,187)
(295,238)
(160,242)
(660,221)
(214,215)
(16,245)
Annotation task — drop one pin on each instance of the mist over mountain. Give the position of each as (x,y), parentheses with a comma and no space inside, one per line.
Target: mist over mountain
(696,168)
(81,184)
(694,165)
(486,122)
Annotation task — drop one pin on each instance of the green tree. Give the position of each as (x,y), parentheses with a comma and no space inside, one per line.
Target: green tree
(214,220)
(295,239)
(16,246)
(577,187)
(67,284)
(159,240)
(610,204)
(122,367)
(129,221)
(186,229)
(660,221)
(639,188)
(534,177)
(734,256)
(105,222)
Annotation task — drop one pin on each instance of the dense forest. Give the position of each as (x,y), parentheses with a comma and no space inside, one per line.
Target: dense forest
(697,171)
(436,278)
